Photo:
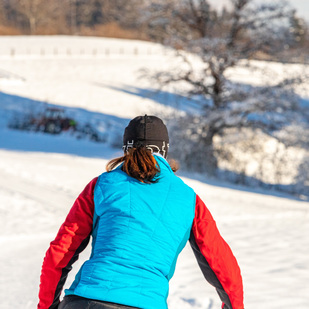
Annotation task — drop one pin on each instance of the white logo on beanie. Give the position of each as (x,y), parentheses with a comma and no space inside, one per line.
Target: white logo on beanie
(152,148)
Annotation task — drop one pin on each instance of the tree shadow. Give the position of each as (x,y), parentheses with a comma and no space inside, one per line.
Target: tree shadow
(13,108)
(165,98)
(14,140)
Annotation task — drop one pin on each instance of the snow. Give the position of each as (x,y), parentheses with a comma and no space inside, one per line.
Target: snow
(41,175)
(261,73)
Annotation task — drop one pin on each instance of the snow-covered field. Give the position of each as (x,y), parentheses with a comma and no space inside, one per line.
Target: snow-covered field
(41,175)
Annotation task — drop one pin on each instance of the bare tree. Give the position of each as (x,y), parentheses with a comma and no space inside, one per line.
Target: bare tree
(7,17)
(38,14)
(220,41)
(31,9)
(69,16)
(33,16)
(2,13)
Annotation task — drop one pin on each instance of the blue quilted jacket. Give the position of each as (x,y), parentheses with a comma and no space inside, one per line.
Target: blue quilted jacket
(138,231)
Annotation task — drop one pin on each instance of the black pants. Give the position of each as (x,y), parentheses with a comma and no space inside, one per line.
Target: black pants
(77,302)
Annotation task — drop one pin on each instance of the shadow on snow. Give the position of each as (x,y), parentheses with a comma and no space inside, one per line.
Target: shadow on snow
(165,98)
(13,107)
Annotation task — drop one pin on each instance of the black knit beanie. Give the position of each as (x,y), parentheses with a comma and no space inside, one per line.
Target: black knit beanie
(149,131)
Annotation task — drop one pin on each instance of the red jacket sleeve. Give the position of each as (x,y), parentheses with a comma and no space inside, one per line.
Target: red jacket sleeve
(72,238)
(215,258)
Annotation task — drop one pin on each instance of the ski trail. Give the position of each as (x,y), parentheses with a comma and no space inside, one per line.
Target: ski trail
(269,235)
(31,213)
(30,207)
(28,215)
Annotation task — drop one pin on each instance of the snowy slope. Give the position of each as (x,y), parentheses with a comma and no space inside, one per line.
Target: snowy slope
(40,176)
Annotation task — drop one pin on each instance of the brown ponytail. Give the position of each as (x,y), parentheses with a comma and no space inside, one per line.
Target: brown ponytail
(138,163)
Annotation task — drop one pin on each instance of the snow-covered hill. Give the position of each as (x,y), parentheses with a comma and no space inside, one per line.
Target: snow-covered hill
(41,175)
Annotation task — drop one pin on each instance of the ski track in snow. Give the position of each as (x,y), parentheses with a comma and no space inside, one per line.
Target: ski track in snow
(268,234)
(269,241)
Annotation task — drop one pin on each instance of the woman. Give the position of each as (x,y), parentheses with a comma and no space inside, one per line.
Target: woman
(140,216)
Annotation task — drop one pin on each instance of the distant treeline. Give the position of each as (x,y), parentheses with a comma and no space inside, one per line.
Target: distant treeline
(110,18)
(154,20)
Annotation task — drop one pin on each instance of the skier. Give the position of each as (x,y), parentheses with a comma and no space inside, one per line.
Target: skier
(140,216)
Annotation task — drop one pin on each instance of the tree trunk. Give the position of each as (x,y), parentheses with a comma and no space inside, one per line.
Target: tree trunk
(32,22)
(217,87)
(210,162)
